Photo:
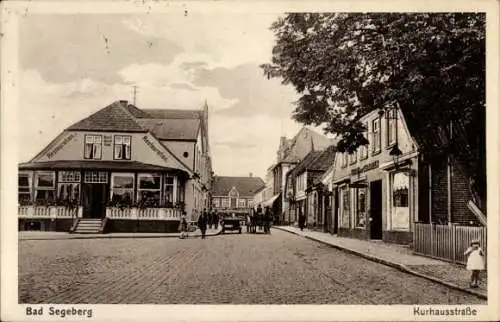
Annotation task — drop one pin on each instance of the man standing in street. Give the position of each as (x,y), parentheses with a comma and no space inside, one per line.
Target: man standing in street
(202,224)
(216,219)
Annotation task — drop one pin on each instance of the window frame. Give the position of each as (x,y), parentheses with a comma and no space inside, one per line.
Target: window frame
(363,149)
(30,176)
(37,188)
(174,187)
(377,136)
(74,181)
(344,160)
(391,124)
(239,204)
(139,189)
(360,210)
(122,174)
(353,157)
(121,136)
(94,136)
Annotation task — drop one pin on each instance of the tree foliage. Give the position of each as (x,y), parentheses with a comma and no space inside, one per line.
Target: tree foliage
(430,65)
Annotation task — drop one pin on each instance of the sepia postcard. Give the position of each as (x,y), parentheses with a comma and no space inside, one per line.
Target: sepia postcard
(249,160)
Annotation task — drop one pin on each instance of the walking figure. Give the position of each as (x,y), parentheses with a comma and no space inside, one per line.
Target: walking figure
(216,220)
(202,224)
(475,262)
(184,227)
(302,221)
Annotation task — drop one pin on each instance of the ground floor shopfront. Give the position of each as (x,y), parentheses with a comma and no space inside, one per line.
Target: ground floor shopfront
(377,201)
(129,197)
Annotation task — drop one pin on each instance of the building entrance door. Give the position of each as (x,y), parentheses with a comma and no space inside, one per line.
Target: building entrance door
(336,206)
(94,200)
(376,209)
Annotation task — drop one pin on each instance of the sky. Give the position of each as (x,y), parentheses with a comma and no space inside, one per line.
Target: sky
(73,65)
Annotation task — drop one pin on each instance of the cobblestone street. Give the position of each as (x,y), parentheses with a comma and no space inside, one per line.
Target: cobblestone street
(280,268)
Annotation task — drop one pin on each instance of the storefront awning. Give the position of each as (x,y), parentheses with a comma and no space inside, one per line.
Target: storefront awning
(269,202)
(94,165)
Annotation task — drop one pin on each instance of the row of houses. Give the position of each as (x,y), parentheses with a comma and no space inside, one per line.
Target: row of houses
(387,190)
(120,169)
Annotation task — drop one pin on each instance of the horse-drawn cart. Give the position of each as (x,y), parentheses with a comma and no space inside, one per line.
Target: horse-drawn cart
(259,222)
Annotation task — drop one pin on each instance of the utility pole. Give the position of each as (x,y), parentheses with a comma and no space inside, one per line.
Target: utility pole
(135,93)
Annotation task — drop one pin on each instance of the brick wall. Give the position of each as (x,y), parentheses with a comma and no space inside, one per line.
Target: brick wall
(461,196)
(439,190)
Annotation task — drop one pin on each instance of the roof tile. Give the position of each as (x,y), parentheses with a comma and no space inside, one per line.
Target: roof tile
(246,186)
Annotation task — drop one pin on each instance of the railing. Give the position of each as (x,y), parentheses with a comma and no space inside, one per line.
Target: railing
(143,213)
(49,212)
(446,242)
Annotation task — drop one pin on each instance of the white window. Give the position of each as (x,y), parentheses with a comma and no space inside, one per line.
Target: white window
(122,188)
(24,188)
(250,203)
(169,190)
(400,212)
(69,186)
(241,203)
(122,147)
(149,189)
(353,157)
(180,191)
(391,127)
(45,186)
(96,177)
(376,135)
(360,207)
(345,207)
(93,147)
(344,160)
(225,202)
(216,202)
(363,150)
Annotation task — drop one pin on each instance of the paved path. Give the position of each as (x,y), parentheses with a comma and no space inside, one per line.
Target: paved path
(280,268)
(402,257)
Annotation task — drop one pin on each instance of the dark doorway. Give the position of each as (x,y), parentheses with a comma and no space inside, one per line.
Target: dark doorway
(336,206)
(376,209)
(94,200)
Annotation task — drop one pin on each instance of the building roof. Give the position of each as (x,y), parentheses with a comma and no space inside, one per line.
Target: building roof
(172,129)
(95,164)
(303,142)
(316,161)
(115,117)
(164,124)
(246,186)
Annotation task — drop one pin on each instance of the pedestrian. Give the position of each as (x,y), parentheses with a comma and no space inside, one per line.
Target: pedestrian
(184,227)
(202,224)
(475,261)
(302,221)
(216,220)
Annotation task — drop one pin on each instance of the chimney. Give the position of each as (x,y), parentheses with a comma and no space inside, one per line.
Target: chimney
(124,103)
(250,175)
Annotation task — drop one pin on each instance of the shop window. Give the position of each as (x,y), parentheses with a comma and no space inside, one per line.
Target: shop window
(363,149)
(391,127)
(93,147)
(360,208)
(149,189)
(345,207)
(250,203)
(241,203)
(122,149)
(376,135)
(122,188)
(400,197)
(180,191)
(400,212)
(24,188)
(69,186)
(168,190)
(45,187)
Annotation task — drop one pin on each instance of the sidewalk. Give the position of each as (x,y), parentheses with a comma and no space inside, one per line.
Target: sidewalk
(400,257)
(49,235)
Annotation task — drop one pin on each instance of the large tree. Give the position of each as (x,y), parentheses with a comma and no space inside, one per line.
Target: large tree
(430,65)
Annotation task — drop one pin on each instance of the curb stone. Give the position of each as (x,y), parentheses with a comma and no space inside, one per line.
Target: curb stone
(104,236)
(400,267)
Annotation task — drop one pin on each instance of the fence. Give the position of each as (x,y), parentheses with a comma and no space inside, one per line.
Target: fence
(446,242)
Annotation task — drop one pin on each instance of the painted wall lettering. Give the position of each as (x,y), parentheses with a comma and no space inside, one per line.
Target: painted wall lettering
(154,148)
(366,167)
(60,146)
(107,140)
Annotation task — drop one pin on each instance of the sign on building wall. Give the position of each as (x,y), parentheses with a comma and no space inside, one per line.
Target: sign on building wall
(61,145)
(108,140)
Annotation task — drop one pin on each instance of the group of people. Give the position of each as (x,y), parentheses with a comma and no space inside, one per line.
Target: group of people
(205,219)
(266,216)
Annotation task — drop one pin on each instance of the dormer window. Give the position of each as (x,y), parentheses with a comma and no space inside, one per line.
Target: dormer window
(122,147)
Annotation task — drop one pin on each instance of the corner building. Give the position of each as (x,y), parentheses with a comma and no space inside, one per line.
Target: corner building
(122,169)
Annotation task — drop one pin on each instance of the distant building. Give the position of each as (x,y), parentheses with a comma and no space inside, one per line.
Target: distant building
(235,194)
(290,153)
(120,169)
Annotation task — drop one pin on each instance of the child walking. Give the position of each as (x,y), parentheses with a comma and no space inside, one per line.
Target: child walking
(475,262)
(184,227)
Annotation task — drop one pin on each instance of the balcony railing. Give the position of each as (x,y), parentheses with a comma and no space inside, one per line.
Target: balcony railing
(134,213)
(49,212)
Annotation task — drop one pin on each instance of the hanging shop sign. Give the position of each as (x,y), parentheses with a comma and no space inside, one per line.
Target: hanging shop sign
(60,145)
(365,168)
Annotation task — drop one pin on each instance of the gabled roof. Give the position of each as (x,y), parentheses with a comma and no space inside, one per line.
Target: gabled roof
(303,142)
(173,114)
(115,117)
(318,161)
(303,165)
(246,186)
(172,129)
